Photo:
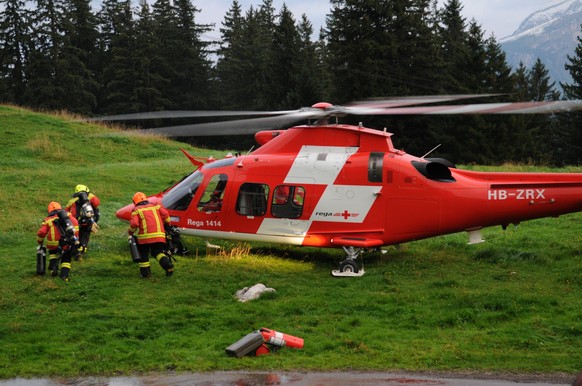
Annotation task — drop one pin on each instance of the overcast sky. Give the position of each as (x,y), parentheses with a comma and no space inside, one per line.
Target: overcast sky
(500,17)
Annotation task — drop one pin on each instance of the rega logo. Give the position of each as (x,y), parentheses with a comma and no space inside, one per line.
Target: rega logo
(324,214)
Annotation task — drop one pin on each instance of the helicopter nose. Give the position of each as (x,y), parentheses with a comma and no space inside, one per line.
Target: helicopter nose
(125,212)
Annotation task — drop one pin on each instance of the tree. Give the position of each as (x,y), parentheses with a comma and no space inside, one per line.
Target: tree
(574,67)
(14,32)
(190,88)
(229,68)
(76,57)
(44,73)
(311,78)
(286,56)
(245,65)
(453,48)
(118,79)
(570,144)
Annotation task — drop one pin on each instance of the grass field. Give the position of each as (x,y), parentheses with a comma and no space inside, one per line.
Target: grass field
(512,304)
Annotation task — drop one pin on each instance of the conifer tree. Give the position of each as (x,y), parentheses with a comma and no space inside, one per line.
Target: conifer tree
(311,78)
(454,50)
(77,57)
(380,48)
(570,145)
(165,41)
(263,60)
(231,58)
(118,79)
(14,33)
(286,54)
(542,132)
(573,90)
(44,74)
(190,87)
(245,64)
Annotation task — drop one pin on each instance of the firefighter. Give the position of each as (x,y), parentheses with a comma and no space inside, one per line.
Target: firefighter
(61,230)
(148,222)
(84,205)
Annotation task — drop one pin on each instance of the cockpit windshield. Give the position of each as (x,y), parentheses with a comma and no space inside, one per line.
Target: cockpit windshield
(180,196)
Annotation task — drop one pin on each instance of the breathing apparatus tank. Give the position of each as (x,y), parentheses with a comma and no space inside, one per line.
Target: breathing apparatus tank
(41,260)
(133,248)
(86,211)
(66,227)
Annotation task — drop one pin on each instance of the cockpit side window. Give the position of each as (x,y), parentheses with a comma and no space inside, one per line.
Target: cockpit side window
(211,200)
(180,196)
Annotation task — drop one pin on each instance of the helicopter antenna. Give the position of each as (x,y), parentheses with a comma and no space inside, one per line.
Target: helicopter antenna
(433,149)
(251,149)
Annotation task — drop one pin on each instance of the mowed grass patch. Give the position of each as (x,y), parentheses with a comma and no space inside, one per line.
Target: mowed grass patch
(512,303)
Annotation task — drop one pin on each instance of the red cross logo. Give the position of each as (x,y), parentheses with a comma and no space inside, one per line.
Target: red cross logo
(346,214)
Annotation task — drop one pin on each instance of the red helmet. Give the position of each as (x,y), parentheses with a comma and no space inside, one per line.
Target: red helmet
(139,197)
(53,205)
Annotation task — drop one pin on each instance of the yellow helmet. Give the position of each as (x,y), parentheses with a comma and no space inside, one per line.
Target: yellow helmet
(139,197)
(81,188)
(53,205)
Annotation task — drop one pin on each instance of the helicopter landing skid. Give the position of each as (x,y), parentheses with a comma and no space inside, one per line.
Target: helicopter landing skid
(338,273)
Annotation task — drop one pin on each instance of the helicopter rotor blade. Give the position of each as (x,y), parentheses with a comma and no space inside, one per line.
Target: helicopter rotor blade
(236,127)
(268,120)
(413,100)
(487,108)
(183,114)
(377,103)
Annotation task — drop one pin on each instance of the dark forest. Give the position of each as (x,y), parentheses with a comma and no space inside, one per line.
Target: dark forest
(124,57)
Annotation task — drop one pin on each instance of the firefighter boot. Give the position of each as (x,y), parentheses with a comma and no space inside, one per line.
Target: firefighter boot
(54,265)
(65,269)
(80,253)
(166,263)
(145,269)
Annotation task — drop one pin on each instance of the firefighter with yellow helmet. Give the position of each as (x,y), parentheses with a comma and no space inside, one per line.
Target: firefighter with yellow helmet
(61,230)
(84,206)
(147,225)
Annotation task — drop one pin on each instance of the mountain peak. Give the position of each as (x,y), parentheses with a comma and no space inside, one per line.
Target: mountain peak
(535,23)
(550,34)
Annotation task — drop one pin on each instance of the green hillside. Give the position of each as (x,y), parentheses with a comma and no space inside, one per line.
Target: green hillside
(512,304)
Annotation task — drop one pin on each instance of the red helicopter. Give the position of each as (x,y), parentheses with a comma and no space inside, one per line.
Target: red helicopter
(340,186)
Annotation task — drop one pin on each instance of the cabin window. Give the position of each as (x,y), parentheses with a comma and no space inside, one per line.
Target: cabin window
(287,201)
(211,200)
(252,199)
(375,163)
(180,196)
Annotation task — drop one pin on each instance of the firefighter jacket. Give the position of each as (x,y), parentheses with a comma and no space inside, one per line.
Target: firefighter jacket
(50,230)
(75,209)
(148,222)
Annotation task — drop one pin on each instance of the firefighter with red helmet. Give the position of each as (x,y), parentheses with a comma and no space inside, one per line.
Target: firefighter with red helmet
(61,231)
(147,224)
(84,206)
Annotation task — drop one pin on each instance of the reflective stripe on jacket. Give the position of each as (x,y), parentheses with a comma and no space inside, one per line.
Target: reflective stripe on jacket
(148,221)
(50,230)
